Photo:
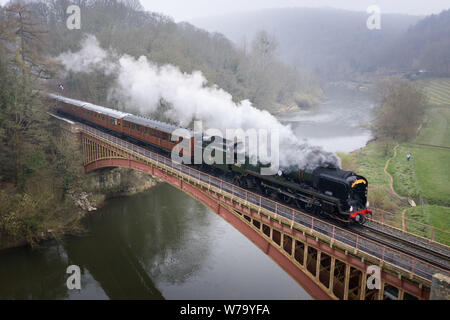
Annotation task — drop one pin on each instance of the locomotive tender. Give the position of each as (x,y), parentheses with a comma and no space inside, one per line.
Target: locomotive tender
(325,191)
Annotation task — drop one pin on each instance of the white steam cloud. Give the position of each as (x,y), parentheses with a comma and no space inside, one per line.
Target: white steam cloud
(143,84)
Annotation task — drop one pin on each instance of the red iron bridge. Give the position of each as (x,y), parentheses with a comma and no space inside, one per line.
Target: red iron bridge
(328,261)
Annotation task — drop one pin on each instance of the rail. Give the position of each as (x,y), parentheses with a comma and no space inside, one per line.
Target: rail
(382,252)
(427,232)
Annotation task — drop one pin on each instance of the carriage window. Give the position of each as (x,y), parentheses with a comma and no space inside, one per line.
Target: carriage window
(132,126)
(164,136)
(115,122)
(112,121)
(146,130)
(103,117)
(118,123)
(138,128)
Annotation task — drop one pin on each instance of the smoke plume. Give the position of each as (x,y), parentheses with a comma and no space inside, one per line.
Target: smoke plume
(143,84)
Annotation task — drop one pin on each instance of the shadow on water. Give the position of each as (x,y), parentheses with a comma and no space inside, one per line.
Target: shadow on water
(155,245)
(131,242)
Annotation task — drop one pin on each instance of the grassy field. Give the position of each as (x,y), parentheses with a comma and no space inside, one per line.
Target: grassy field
(436,128)
(427,173)
(438,91)
(371,161)
(438,217)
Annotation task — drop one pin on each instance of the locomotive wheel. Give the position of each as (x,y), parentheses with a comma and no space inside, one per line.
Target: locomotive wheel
(321,213)
(309,209)
(360,219)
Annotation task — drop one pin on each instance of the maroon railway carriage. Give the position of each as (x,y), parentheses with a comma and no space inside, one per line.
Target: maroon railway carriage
(150,131)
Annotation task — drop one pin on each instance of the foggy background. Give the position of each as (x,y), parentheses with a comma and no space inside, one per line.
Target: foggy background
(187,10)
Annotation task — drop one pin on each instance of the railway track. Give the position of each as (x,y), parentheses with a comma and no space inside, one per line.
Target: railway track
(438,256)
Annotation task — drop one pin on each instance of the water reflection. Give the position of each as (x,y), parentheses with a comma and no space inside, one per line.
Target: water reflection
(161,244)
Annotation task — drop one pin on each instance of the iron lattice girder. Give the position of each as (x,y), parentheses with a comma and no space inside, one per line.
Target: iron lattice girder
(101,153)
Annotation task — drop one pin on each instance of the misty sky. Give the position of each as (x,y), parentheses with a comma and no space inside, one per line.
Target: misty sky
(190,9)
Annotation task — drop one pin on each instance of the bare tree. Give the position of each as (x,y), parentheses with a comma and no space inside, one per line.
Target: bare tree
(264,47)
(400,109)
(26,36)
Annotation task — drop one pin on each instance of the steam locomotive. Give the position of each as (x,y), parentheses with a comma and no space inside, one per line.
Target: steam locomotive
(326,191)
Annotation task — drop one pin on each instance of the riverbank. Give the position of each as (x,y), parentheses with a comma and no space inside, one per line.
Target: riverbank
(98,187)
(423,179)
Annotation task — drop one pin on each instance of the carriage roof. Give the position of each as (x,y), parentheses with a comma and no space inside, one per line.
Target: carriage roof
(154,124)
(90,106)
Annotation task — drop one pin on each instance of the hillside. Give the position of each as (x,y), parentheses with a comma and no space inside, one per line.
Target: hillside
(334,42)
(125,28)
(425,46)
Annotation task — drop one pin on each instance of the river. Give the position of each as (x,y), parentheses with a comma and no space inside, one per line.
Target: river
(339,124)
(162,244)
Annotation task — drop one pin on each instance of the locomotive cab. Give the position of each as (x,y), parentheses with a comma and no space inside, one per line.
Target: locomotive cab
(348,187)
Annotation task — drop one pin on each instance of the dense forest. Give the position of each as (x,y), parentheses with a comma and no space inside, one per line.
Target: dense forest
(424,46)
(337,44)
(253,73)
(37,184)
(33,181)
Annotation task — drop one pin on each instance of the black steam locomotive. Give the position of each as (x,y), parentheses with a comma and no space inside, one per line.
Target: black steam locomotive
(324,191)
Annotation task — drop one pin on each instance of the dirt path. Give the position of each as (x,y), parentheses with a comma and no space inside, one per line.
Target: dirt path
(391,179)
(391,185)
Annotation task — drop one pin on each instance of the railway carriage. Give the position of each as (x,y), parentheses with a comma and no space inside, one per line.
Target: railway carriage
(141,129)
(326,190)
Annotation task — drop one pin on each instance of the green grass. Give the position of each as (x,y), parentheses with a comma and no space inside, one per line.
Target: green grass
(402,172)
(427,172)
(433,173)
(439,218)
(438,91)
(371,161)
(436,129)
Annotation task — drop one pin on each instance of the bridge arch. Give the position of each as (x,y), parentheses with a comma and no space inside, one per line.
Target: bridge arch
(270,248)
(329,263)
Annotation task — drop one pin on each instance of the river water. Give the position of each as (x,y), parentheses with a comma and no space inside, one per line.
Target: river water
(162,244)
(340,124)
